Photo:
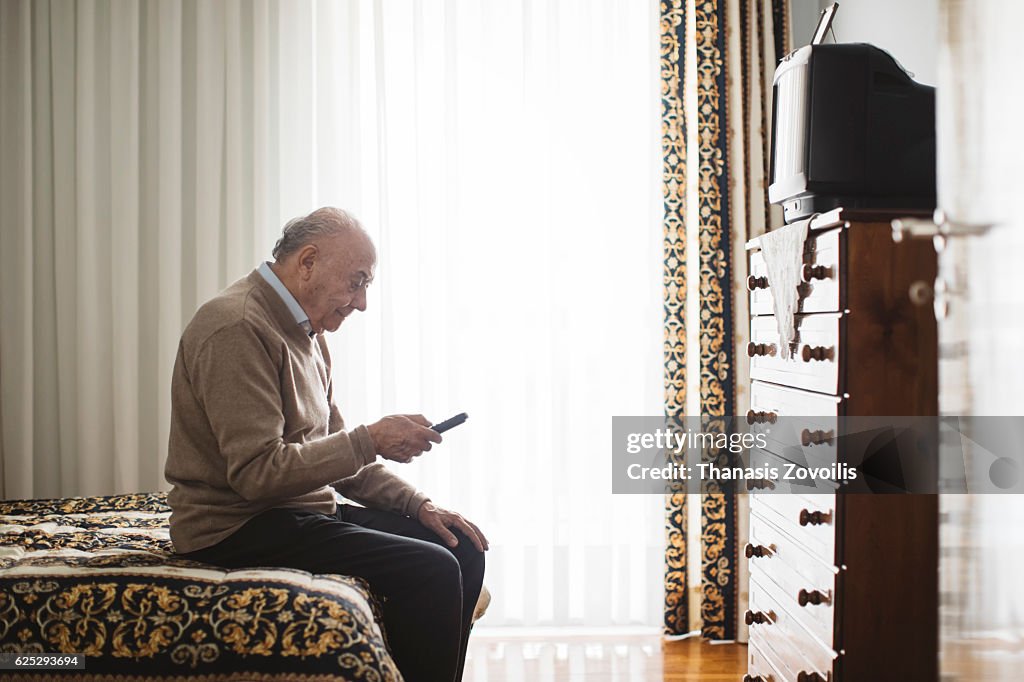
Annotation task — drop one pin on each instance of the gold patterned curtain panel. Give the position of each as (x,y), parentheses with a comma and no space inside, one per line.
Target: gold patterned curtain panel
(717,61)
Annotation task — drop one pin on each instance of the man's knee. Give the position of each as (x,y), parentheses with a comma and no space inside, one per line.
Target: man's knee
(441,568)
(471,560)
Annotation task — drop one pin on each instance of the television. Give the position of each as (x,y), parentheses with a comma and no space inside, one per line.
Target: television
(850,128)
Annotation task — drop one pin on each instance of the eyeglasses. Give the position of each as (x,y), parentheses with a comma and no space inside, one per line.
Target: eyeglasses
(360,282)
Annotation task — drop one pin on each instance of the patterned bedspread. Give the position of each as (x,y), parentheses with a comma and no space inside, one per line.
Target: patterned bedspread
(97,576)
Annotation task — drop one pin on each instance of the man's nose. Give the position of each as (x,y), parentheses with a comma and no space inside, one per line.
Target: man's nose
(359,302)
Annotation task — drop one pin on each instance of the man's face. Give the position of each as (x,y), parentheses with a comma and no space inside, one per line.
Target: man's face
(338,277)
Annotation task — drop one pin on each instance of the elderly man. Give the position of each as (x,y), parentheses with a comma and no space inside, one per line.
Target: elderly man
(258,449)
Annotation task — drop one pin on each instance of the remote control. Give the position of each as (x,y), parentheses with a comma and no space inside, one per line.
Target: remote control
(450,423)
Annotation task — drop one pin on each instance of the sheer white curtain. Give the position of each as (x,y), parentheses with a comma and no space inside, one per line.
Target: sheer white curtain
(138,176)
(505,157)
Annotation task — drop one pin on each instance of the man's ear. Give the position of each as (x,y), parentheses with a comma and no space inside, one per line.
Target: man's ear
(307,258)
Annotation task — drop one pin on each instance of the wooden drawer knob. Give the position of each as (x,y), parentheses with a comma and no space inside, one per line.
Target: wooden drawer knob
(804,676)
(752,550)
(756,618)
(754,417)
(820,353)
(816,518)
(808,437)
(754,349)
(757,283)
(810,272)
(814,597)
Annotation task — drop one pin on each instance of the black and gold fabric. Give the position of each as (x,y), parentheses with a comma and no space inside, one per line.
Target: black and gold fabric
(673,147)
(730,48)
(97,576)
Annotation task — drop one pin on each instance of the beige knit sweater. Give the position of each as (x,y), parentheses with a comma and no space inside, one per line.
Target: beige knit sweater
(254,425)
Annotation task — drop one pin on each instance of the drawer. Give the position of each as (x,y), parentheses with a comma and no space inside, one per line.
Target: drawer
(764,666)
(802,577)
(820,290)
(808,426)
(815,363)
(801,475)
(815,570)
(797,649)
(818,534)
(792,402)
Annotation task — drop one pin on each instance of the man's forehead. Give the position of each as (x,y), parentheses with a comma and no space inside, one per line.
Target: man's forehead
(359,264)
(363,261)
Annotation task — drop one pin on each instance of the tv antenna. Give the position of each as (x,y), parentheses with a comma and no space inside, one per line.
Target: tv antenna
(825,24)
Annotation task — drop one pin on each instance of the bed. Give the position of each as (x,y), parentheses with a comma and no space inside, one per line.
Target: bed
(96,576)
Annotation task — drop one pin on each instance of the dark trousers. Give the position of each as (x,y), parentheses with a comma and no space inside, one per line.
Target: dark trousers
(428,591)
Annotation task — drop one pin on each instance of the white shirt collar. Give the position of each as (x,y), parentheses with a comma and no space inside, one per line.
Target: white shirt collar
(272,279)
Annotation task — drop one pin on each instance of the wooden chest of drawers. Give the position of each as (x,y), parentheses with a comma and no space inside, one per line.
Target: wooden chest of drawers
(844,587)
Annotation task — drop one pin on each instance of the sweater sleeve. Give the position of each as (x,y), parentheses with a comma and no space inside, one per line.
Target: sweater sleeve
(236,381)
(378,487)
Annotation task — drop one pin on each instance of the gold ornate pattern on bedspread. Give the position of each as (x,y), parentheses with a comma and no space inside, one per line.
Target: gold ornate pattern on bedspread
(97,576)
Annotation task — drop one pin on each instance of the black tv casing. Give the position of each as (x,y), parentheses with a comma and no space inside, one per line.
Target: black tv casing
(870,136)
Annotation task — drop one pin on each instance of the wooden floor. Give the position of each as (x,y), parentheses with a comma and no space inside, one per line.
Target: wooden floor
(982,661)
(632,658)
(627,658)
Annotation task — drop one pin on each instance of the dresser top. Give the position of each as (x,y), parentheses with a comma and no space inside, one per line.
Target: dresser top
(842,216)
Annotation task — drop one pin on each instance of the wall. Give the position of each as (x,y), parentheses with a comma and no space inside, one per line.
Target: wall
(907,29)
(803,15)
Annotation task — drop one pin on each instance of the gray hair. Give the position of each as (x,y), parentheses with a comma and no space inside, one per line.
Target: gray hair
(323,222)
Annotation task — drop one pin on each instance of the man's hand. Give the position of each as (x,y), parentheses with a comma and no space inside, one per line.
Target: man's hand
(400,437)
(440,520)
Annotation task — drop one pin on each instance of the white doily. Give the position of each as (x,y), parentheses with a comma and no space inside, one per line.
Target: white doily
(783,251)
